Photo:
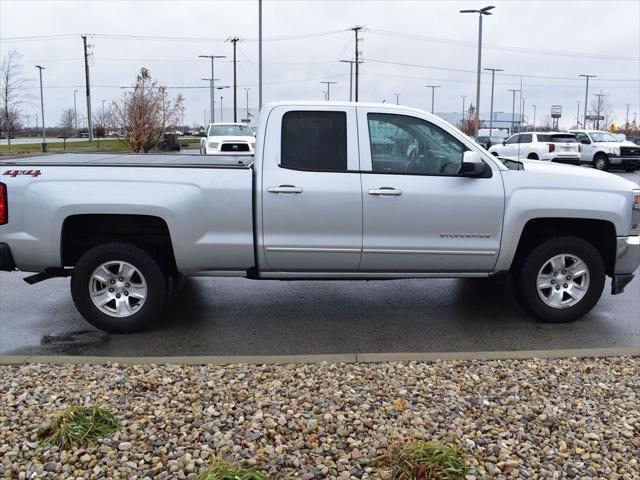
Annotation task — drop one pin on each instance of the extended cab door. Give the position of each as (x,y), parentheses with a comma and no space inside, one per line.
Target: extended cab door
(311,191)
(419,214)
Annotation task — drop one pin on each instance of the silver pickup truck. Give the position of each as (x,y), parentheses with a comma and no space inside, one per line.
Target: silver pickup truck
(335,191)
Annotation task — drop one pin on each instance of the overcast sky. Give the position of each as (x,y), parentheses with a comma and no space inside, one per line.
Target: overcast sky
(556,38)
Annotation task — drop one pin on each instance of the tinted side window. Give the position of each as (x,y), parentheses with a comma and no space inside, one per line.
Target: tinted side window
(525,138)
(314,141)
(410,145)
(513,139)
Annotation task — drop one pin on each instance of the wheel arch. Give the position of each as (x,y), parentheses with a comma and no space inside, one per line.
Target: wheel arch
(599,233)
(82,232)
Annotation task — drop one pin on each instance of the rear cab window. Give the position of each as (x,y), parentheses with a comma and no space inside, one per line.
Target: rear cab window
(558,138)
(314,141)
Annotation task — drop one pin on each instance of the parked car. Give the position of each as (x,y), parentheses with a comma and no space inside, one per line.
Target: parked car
(487,141)
(319,202)
(604,151)
(634,140)
(228,139)
(555,147)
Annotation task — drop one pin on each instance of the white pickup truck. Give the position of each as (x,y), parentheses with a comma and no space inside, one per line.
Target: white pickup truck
(336,191)
(604,151)
(228,139)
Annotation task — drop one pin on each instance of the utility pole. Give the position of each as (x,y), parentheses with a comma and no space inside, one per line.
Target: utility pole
(235,41)
(493,77)
(586,98)
(578,115)
(221,97)
(75,112)
(356,31)
(513,109)
(397,98)
(481,13)
(599,95)
(44,138)
(328,84)
(87,86)
(212,101)
(464,98)
(522,113)
(246,90)
(433,94)
(204,118)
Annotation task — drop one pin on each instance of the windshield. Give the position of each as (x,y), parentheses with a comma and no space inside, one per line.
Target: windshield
(602,137)
(230,131)
(562,137)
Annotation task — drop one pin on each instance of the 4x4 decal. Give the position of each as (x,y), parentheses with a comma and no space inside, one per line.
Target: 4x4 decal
(15,173)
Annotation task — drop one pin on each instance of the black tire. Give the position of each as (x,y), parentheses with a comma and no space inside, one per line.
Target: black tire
(532,156)
(527,273)
(601,162)
(152,273)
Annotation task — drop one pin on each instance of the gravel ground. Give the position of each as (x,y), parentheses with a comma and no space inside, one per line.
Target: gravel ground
(510,419)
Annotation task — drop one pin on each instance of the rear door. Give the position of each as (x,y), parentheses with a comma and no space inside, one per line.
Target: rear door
(311,191)
(419,215)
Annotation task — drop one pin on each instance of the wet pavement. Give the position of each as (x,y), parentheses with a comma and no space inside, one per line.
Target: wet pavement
(244,317)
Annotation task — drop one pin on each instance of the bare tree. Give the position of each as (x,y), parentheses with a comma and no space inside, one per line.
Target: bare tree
(144,112)
(67,122)
(13,93)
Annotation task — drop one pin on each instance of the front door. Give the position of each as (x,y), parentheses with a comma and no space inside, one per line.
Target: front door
(311,192)
(419,215)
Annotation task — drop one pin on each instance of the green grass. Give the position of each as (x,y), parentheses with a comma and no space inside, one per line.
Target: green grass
(223,471)
(105,145)
(77,425)
(427,461)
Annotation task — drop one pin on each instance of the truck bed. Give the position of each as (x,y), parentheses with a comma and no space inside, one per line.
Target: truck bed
(132,160)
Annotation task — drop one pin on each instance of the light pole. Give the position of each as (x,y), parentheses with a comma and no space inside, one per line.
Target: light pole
(328,84)
(493,76)
(433,94)
(350,62)
(397,98)
(626,123)
(246,90)
(44,138)
(221,97)
(586,98)
(211,85)
(464,98)
(599,95)
(513,109)
(481,12)
(522,113)
(534,117)
(75,112)
(578,115)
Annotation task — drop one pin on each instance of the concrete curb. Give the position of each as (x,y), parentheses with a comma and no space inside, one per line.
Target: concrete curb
(330,358)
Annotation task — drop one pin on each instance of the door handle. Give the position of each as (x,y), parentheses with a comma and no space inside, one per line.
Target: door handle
(285,189)
(385,191)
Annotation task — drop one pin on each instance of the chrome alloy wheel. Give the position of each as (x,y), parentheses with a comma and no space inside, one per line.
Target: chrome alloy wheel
(117,288)
(562,281)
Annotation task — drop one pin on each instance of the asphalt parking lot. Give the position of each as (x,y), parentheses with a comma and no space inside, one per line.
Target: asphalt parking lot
(245,317)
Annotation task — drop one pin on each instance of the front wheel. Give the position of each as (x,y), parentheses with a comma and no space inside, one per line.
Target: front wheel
(561,280)
(601,162)
(119,288)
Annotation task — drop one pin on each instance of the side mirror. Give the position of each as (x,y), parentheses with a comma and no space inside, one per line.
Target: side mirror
(472,165)
(585,141)
(503,142)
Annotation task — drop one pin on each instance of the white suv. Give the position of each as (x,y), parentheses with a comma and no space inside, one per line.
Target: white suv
(604,151)
(228,139)
(548,146)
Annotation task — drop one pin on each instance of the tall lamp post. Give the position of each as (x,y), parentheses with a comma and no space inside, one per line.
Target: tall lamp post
(246,90)
(433,94)
(586,98)
(534,117)
(212,101)
(464,98)
(44,138)
(75,112)
(493,77)
(481,12)
(397,98)
(513,109)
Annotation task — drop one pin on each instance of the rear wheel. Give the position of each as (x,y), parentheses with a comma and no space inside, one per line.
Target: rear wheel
(532,156)
(118,287)
(561,280)
(601,162)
